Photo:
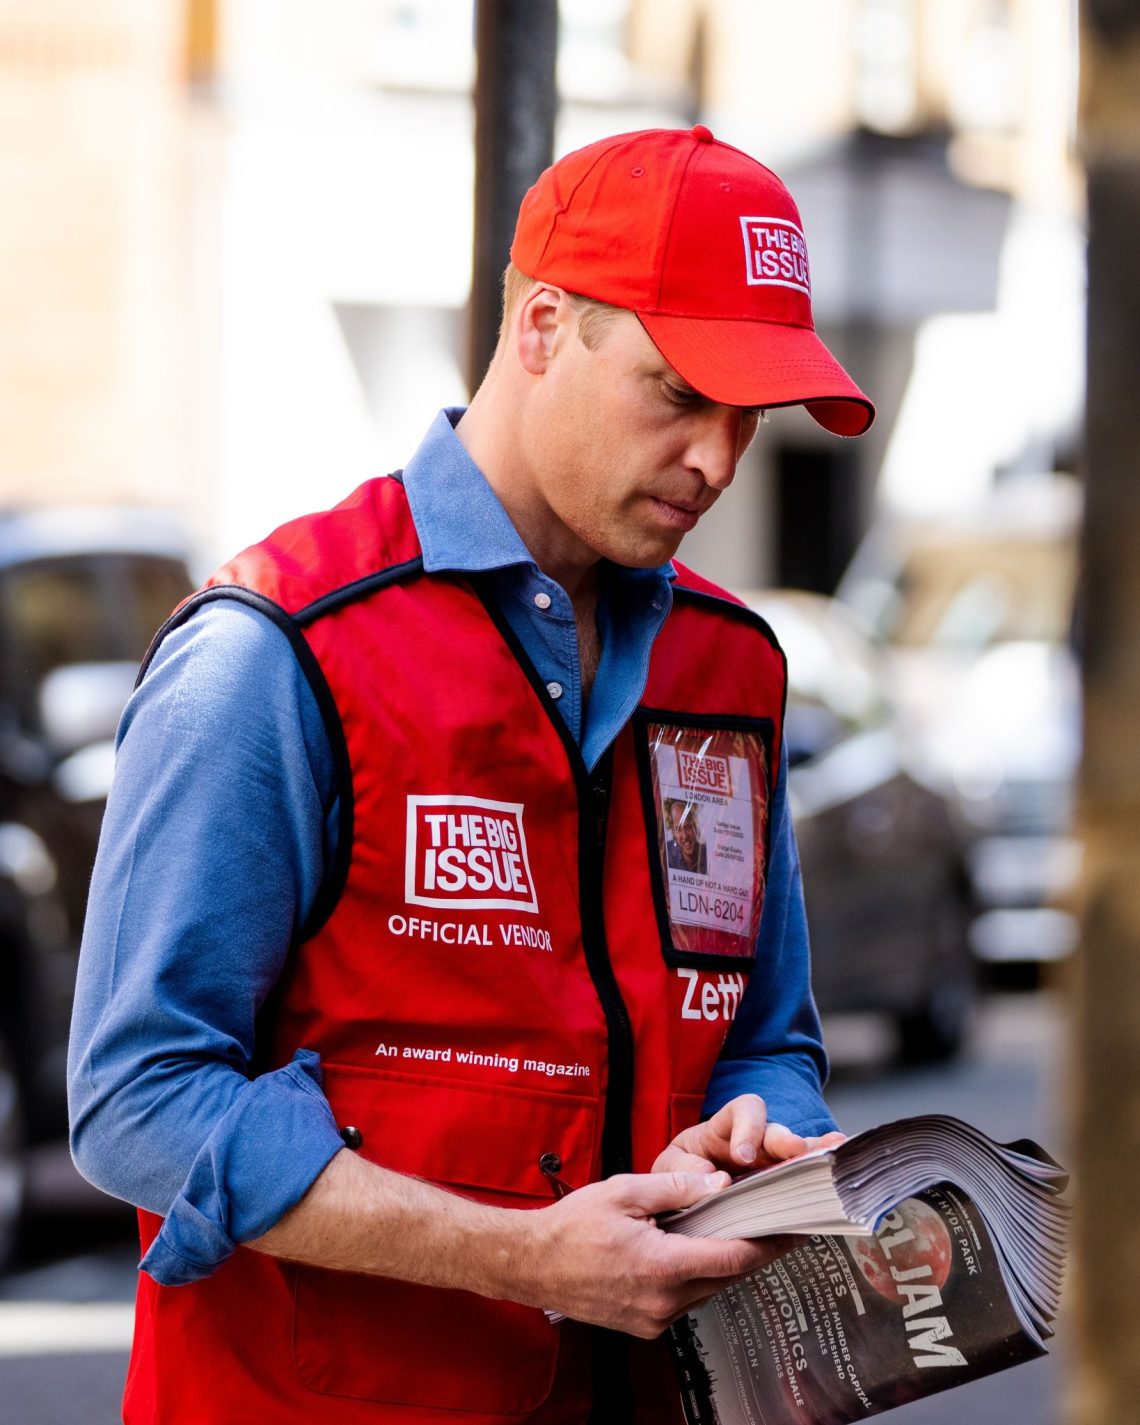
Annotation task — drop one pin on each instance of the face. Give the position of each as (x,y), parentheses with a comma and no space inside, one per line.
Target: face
(684,823)
(624,456)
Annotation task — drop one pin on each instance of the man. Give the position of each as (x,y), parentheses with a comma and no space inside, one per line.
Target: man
(378,1067)
(686,851)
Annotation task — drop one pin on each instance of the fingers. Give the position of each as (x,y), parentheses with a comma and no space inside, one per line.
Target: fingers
(737,1137)
(734,1134)
(651,1193)
(826,1140)
(764,1251)
(769,1249)
(749,1120)
(716,1259)
(780,1143)
(676,1159)
(694,1270)
(731,1138)
(601,1257)
(754,1140)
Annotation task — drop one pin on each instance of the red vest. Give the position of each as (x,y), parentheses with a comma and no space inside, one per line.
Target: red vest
(511,958)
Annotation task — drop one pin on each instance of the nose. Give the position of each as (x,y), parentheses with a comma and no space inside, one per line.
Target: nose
(721,437)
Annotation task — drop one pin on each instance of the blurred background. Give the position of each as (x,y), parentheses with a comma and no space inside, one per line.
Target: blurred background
(236,280)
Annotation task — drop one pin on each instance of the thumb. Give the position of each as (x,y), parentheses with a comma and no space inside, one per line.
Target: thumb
(652,1193)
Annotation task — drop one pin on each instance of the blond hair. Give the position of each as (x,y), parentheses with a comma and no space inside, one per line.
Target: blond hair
(593,316)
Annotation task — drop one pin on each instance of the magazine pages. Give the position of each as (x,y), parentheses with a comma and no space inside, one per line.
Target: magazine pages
(927,1255)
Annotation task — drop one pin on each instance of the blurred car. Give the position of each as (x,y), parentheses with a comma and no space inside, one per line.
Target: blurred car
(976,613)
(81,593)
(887,894)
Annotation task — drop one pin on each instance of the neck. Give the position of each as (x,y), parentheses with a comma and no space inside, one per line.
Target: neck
(489,431)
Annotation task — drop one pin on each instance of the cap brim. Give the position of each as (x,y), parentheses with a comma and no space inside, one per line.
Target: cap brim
(743,363)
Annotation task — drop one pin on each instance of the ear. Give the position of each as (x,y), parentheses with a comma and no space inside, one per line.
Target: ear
(537,322)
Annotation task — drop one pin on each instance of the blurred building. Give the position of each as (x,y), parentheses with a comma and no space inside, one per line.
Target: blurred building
(93,297)
(241,260)
(929,144)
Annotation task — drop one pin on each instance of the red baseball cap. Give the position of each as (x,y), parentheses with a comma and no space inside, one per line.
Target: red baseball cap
(706,246)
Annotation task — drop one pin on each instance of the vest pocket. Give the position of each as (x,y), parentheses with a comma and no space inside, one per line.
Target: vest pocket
(373,1338)
(684,1111)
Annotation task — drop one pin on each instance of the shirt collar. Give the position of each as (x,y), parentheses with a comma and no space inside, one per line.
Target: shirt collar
(462,525)
(458,517)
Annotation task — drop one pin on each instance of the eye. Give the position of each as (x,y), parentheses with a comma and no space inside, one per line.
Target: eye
(681,396)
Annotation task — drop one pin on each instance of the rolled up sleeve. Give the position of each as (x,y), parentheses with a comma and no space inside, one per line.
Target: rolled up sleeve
(262,1156)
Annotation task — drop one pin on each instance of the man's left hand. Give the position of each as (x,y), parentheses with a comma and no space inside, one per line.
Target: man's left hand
(737,1138)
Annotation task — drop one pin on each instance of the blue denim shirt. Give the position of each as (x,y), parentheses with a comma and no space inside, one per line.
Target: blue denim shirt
(220,822)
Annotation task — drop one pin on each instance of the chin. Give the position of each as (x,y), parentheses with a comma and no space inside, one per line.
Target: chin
(652,551)
(633,548)
(643,560)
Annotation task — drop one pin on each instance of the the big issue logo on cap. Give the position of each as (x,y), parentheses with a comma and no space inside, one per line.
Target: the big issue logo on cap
(776,254)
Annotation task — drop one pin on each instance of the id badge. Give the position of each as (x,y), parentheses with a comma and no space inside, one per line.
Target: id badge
(708,789)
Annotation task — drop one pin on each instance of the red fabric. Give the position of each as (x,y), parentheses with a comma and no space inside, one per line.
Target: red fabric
(434,704)
(707,247)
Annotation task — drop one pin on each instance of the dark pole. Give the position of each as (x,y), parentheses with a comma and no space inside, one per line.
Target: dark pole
(516,44)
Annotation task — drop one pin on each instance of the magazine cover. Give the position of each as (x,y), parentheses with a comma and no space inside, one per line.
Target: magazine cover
(841,1328)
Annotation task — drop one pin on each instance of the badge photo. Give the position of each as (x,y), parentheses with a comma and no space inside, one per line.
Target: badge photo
(705,786)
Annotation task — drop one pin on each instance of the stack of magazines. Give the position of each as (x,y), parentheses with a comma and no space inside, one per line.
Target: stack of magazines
(925,1255)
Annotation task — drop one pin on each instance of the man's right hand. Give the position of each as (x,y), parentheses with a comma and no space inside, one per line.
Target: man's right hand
(598,1255)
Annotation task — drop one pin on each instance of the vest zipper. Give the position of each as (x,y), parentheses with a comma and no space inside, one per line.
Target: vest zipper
(617,1123)
(593,810)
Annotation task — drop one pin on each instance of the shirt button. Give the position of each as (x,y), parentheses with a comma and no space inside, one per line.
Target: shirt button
(542,601)
(353,1138)
(555,690)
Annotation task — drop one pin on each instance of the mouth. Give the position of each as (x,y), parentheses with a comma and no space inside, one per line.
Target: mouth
(678,514)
